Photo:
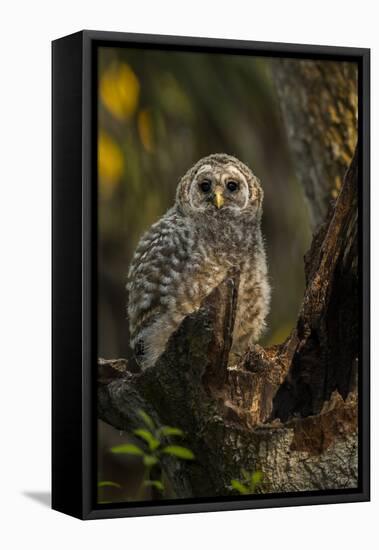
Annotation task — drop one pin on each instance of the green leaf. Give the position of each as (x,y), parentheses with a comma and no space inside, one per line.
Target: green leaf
(238,486)
(180,452)
(168,431)
(149,460)
(148,437)
(128,449)
(108,484)
(147,419)
(245,474)
(154,483)
(256,478)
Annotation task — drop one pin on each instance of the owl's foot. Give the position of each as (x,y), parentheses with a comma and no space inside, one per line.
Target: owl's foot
(149,346)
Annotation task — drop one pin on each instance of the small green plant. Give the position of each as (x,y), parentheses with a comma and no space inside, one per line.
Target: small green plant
(104,484)
(248,483)
(152,448)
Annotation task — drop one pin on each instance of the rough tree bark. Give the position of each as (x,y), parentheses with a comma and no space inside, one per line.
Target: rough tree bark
(288,410)
(319,103)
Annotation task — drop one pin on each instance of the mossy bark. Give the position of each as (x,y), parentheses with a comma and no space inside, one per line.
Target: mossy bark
(319,101)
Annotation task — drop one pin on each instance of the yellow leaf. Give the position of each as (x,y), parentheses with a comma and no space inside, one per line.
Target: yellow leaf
(110,164)
(145,130)
(119,90)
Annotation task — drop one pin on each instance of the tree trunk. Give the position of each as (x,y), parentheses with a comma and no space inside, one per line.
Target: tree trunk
(319,103)
(289,411)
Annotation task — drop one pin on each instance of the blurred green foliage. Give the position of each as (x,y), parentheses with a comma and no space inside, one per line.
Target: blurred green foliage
(103,485)
(248,483)
(159,112)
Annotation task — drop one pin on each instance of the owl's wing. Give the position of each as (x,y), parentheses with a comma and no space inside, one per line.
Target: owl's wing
(157,267)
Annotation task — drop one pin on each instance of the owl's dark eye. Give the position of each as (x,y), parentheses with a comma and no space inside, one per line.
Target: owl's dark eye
(205,186)
(232,185)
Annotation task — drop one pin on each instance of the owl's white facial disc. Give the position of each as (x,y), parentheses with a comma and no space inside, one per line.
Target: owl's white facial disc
(193,197)
(217,189)
(232,173)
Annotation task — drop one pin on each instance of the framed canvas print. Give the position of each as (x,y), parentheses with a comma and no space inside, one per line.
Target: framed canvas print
(210,274)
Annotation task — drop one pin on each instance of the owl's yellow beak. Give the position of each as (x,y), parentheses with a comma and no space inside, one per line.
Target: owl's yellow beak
(218,198)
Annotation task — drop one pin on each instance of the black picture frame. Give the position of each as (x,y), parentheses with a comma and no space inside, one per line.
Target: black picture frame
(74,294)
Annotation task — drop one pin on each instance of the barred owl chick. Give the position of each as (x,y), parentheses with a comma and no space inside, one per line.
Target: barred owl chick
(214,226)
